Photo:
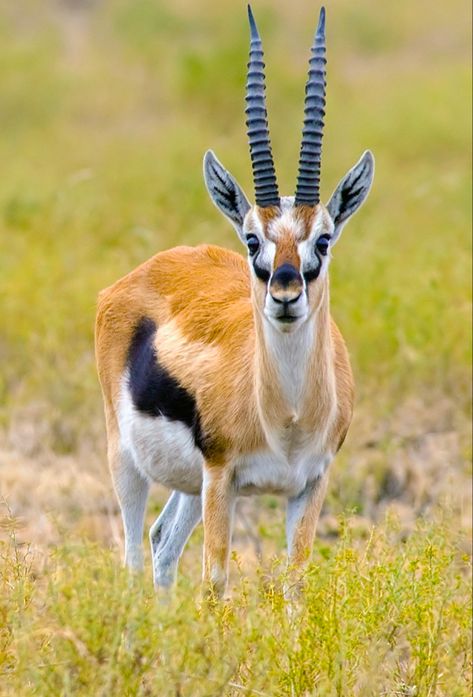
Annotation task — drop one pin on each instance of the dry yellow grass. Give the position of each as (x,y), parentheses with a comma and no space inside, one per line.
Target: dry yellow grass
(107,108)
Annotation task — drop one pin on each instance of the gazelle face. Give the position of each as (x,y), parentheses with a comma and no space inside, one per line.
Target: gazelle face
(288,239)
(288,254)
(288,245)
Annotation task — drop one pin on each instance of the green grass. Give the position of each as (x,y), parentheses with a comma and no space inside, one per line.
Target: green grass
(381,617)
(106,115)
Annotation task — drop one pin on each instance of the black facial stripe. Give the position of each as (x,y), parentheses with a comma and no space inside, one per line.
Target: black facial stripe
(312,274)
(154,390)
(262,274)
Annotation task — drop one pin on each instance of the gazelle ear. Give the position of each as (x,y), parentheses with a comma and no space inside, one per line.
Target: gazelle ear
(351,192)
(225,192)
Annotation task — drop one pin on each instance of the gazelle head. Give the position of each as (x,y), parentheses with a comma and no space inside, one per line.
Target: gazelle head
(288,238)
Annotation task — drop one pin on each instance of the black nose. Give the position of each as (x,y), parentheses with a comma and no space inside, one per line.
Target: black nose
(286,284)
(286,275)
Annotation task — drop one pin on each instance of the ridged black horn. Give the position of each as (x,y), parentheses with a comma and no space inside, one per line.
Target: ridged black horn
(308,177)
(264,175)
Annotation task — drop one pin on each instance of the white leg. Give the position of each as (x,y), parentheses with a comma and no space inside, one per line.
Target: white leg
(160,529)
(132,492)
(301,520)
(169,534)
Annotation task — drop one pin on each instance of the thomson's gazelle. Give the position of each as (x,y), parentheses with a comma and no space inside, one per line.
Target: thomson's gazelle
(224,376)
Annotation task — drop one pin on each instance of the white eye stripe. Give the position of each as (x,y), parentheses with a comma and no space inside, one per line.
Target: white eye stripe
(306,252)
(313,263)
(269,254)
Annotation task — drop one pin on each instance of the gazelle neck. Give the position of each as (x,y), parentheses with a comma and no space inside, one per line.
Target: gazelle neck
(292,368)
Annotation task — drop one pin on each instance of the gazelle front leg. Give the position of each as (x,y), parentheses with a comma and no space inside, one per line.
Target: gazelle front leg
(302,515)
(218,505)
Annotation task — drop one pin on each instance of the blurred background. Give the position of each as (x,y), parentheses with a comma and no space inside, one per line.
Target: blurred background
(106,109)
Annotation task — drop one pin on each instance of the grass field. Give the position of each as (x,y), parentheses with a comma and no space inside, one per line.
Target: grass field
(106,111)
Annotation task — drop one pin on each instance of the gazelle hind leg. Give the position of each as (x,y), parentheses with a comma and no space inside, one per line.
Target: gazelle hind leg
(132,493)
(169,534)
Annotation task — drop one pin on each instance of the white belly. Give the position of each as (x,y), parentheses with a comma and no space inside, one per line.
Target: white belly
(268,472)
(164,451)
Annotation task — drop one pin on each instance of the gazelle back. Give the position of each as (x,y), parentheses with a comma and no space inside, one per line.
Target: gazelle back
(223,376)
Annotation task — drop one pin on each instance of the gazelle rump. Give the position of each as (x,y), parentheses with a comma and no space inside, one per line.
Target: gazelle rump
(225,377)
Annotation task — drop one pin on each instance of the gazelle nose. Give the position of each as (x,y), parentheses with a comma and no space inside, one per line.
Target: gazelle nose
(286,284)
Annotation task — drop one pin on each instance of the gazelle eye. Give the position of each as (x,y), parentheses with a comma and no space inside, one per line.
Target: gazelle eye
(253,244)
(323,244)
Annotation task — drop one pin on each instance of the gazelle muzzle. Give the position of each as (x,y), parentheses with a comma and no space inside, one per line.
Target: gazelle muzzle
(286,301)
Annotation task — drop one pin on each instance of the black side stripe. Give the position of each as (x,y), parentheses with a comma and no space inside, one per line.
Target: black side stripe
(154,391)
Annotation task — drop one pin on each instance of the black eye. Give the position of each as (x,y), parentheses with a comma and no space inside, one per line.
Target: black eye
(253,244)
(323,244)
